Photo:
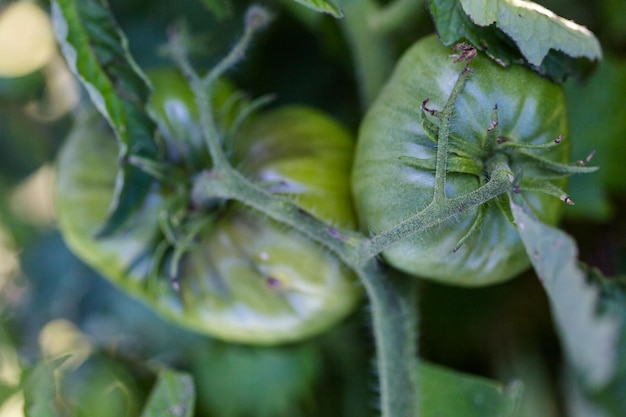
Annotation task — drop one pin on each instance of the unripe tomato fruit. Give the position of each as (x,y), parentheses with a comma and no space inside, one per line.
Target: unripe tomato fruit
(245,279)
(530,110)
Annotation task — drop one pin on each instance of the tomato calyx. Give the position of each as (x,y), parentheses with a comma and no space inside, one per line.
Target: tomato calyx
(531,170)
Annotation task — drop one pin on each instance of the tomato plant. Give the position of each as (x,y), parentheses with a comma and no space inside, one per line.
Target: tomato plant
(233,270)
(209,174)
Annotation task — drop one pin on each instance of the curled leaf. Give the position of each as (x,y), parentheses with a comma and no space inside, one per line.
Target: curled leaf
(519,31)
(96,51)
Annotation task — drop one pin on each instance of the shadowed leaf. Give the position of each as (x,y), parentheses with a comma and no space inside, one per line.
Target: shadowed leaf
(588,309)
(518,31)
(173,396)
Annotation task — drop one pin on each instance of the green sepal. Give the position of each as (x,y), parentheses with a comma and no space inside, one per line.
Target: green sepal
(540,185)
(504,205)
(479,221)
(504,142)
(454,164)
(493,131)
(555,167)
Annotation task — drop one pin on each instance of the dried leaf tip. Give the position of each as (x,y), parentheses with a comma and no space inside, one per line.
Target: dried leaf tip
(464,52)
(586,161)
(257,17)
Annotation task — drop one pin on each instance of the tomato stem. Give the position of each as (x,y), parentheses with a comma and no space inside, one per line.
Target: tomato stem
(438,211)
(443,136)
(394,313)
(256,19)
(394,310)
(227,183)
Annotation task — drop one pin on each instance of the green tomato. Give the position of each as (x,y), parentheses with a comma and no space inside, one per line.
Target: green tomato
(246,278)
(392,180)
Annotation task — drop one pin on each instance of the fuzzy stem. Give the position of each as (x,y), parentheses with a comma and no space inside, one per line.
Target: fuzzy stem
(256,18)
(439,211)
(394,310)
(228,183)
(393,306)
(443,137)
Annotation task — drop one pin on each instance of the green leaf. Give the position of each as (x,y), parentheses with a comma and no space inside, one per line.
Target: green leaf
(220,8)
(40,388)
(589,329)
(292,370)
(597,124)
(97,52)
(322,6)
(612,302)
(173,396)
(444,392)
(518,31)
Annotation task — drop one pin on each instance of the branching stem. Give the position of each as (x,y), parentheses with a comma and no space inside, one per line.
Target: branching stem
(439,211)
(393,309)
(443,138)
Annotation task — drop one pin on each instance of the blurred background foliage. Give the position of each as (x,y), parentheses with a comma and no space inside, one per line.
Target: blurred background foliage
(70,333)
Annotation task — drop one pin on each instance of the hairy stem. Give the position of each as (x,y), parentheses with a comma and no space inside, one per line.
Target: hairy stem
(394,310)
(256,18)
(443,138)
(393,306)
(228,183)
(439,211)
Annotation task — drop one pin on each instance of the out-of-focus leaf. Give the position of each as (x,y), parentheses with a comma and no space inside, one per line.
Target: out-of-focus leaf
(514,31)
(69,384)
(322,6)
(613,302)
(173,396)
(576,401)
(101,387)
(613,12)
(40,390)
(96,51)
(249,381)
(598,124)
(590,313)
(444,392)
(220,8)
